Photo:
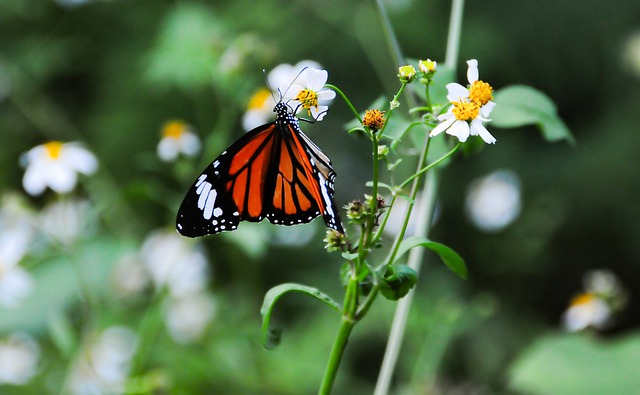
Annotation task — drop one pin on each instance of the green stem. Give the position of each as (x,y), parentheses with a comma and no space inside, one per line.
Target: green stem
(430,166)
(336,355)
(346,100)
(400,318)
(346,326)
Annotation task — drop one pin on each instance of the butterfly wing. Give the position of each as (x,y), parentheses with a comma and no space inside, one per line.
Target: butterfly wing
(274,171)
(231,188)
(303,182)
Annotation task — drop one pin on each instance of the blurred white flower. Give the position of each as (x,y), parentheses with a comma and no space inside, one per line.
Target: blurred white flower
(177,138)
(130,276)
(260,109)
(175,262)
(283,75)
(602,282)
(16,234)
(596,306)
(188,316)
(587,310)
(19,355)
(493,202)
(103,366)
(308,93)
(66,221)
(56,165)
(470,107)
(261,104)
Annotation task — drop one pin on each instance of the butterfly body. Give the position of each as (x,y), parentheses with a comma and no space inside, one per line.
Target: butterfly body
(274,171)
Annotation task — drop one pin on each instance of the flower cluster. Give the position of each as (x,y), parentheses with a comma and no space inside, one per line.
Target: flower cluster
(470,107)
(301,85)
(595,308)
(178,137)
(56,165)
(178,269)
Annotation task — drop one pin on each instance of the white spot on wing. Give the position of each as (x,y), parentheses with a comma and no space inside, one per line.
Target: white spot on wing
(203,191)
(211,200)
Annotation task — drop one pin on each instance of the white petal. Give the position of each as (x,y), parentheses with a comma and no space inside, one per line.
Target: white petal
(308,64)
(33,181)
(326,95)
(459,129)
(447,115)
(78,158)
(167,149)
(254,118)
(289,92)
(61,179)
(457,92)
(477,128)
(281,76)
(442,127)
(472,72)
(485,110)
(316,78)
(319,112)
(15,285)
(190,144)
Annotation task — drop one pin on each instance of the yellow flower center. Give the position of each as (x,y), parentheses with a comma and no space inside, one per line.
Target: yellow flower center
(373,119)
(174,129)
(259,99)
(481,92)
(583,299)
(465,111)
(53,149)
(308,99)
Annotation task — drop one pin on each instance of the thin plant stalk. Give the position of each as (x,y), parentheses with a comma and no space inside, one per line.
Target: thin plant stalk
(415,258)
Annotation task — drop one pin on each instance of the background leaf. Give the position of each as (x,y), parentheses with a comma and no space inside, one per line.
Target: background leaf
(519,105)
(576,365)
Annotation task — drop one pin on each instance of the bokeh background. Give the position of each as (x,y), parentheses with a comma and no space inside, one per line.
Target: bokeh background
(109,74)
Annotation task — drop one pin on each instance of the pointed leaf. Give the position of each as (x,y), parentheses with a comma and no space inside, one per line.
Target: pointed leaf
(271,338)
(454,262)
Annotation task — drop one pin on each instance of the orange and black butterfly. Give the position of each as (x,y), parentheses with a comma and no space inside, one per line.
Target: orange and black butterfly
(274,171)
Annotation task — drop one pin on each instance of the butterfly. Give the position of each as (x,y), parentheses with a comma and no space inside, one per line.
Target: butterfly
(274,171)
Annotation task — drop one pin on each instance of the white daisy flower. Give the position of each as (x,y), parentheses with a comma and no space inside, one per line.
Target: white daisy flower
(56,165)
(175,263)
(260,107)
(470,107)
(19,355)
(177,138)
(103,367)
(66,221)
(188,316)
(15,237)
(587,310)
(494,201)
(308,93)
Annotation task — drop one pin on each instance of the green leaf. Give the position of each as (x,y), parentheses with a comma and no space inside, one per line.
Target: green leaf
(271,338)
(520,105)
(571,364)
(454,262)
(396,281)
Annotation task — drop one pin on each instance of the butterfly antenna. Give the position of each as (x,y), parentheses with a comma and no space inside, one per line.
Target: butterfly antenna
(293,81)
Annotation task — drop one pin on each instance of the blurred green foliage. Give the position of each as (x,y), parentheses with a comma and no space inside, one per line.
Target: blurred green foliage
(110,73)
